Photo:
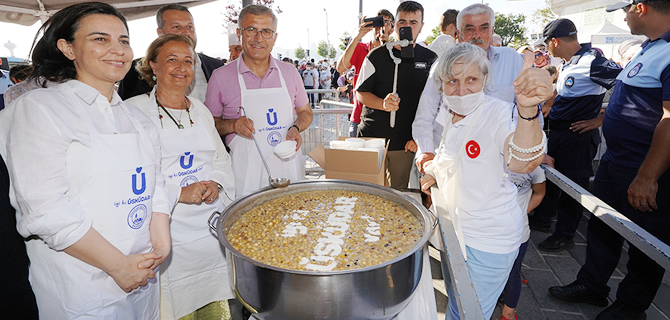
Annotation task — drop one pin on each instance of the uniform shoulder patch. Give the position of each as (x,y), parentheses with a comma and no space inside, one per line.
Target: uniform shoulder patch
(611,64)
(570,81)
(636,69)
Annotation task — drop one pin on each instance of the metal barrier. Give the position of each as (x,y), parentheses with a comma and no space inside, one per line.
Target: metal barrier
(331,124)
(330,93)
(455,269)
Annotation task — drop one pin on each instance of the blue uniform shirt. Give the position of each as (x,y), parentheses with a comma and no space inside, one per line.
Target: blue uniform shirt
(581,85)
(636,105)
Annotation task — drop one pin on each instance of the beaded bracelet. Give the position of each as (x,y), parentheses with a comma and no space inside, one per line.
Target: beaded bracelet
(539,111)
(529,150)
(540,147)
(517,158)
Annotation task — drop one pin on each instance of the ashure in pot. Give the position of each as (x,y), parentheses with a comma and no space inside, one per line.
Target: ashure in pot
(376,292)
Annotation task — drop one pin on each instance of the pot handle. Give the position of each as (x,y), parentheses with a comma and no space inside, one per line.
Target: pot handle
(435,218)
(213,227)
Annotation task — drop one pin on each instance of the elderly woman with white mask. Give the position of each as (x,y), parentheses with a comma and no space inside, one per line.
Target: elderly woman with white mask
(480,145)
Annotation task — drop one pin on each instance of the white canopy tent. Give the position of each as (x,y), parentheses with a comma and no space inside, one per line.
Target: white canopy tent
(609,37)
(27,12)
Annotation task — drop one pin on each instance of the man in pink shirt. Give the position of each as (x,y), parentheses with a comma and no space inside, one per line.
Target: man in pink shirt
(355,54)
(275,104)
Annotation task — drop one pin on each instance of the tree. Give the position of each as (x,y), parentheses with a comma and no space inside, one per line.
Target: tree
(344,41)
(235,6)
(333,52)
(544,15)
(322,49)
(434,33)
(511,29)
(300,53)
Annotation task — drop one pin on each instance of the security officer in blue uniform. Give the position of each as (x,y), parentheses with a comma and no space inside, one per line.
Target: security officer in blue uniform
(582,82)
(633,176)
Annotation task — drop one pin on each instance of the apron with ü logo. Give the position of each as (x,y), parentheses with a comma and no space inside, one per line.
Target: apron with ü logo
(117,196)
(271,110)
(197,256)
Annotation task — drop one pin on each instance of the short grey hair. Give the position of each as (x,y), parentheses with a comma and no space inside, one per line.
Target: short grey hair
(496,37)
(159,14)
(257,10)
(475,9)
(463,53)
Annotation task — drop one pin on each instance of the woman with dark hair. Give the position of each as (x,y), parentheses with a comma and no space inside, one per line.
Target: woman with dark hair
(198,168)
(85,182)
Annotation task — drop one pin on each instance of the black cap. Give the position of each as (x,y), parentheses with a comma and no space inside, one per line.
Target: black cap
(625,3)
(557,29)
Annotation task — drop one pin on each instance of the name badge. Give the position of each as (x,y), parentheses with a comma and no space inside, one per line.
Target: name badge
(420,65)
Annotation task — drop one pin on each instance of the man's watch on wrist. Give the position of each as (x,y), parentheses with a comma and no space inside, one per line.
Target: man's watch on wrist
(296,126)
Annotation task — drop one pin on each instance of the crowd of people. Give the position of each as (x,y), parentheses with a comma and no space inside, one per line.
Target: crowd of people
(112,165)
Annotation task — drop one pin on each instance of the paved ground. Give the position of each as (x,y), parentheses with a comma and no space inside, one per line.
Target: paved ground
(542,270)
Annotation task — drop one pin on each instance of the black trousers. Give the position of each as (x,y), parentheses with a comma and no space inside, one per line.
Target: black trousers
(604,245)
(573,154)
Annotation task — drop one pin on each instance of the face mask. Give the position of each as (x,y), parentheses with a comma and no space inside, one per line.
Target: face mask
(464,105)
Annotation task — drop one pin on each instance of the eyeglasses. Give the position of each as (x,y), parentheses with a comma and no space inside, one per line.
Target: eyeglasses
(626,8)
(251,32)
(388,22)
(538,54)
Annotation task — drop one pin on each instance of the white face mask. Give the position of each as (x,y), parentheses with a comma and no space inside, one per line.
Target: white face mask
(464,105)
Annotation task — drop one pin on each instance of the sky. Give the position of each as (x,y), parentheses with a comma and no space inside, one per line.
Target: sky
(297,17)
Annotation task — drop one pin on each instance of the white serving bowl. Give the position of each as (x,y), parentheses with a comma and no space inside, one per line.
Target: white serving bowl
(285,149)
(356,143)
(337,144)
(375,143)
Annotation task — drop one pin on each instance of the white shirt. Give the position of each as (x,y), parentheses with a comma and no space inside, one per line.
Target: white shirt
(325,77)
(221,163)
(441,44)
(44,173)
(505,67)
(198,87)
(523,183)
(490,215)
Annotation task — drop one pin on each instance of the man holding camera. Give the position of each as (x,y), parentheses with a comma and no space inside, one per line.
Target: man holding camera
(376,89)
(356,52)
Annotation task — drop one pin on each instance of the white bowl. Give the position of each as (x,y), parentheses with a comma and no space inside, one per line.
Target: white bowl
(337,144)
(285,149)
(356,143)
(374,143)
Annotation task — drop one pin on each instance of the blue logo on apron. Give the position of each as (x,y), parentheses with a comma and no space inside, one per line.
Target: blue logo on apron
(267,115)
(137,216)
(274,138)
(188,180)
(190,160)
(144,182)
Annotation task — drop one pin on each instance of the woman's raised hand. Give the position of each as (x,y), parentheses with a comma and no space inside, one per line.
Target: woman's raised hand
(533,85)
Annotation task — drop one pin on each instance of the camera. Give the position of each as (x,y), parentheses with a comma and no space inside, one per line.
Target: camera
(375,22)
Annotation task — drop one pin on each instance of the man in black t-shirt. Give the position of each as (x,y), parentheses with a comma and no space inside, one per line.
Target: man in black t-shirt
(375,90)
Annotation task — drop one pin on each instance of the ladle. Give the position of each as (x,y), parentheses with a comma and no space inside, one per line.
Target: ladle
(274,182)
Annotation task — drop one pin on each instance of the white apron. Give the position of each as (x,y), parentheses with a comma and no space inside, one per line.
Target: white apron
(445,170)
(118,198)
(272,112)
(196,272)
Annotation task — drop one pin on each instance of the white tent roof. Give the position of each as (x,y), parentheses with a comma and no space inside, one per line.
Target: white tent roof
(27,12)
(607,33)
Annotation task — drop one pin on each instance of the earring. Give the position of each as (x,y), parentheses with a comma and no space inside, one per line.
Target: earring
(153,77)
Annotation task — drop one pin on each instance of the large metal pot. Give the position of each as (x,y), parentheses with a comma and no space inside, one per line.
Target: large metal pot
(375,292)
